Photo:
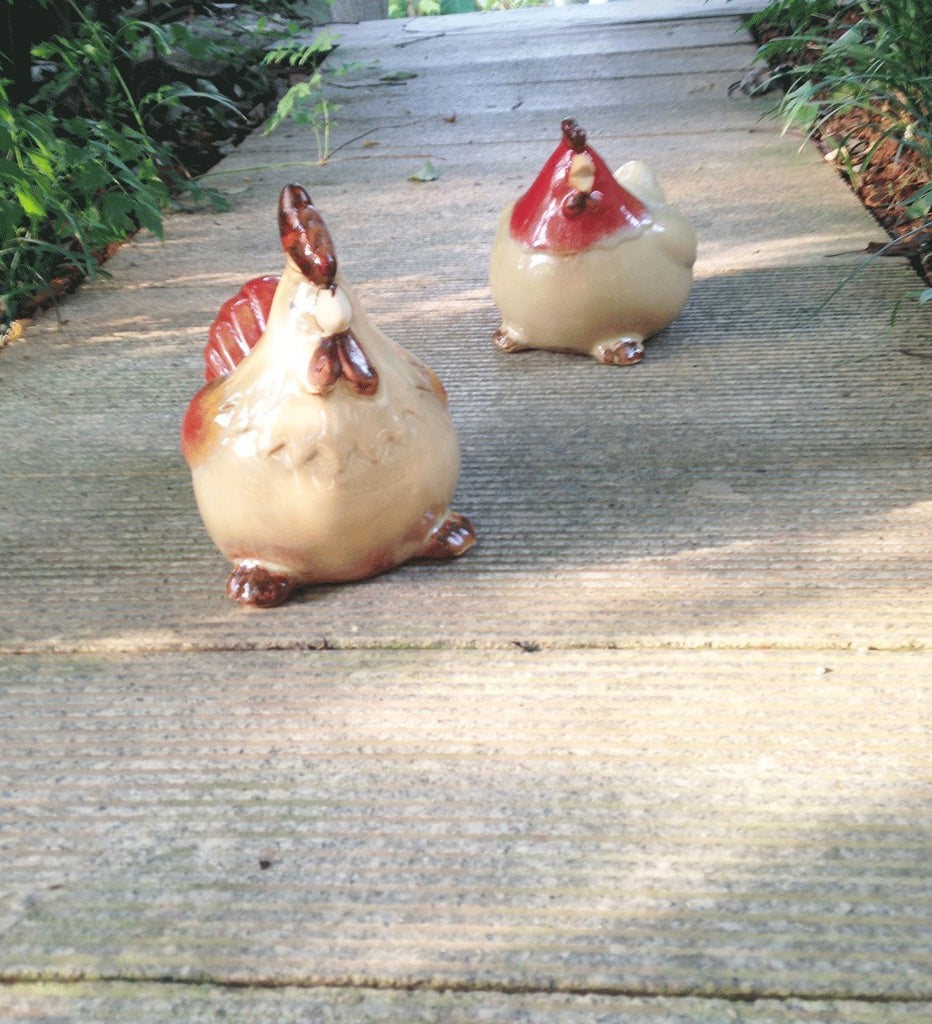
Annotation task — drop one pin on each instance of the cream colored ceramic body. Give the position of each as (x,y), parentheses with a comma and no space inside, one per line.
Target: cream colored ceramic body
(605,300)
(327,487)
(300,483)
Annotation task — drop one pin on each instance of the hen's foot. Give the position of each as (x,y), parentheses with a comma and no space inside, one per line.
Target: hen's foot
(620,352)
(254,585)
(506,339)
(451,538)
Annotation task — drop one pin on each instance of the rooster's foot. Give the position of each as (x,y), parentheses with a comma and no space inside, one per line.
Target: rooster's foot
(254,585)
(620,351)
(452,537)
(507,339)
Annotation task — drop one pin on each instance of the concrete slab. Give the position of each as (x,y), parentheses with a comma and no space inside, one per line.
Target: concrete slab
(730,824)
(198,1004)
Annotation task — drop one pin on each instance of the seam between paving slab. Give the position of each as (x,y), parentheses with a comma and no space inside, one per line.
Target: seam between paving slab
(528,646)
(375,984)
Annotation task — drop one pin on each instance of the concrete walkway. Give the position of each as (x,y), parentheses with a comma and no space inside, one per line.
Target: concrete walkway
(656,750)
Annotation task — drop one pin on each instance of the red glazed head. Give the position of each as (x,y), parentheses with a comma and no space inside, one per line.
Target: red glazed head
(575,200)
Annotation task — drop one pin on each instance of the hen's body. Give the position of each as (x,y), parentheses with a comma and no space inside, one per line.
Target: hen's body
(307,470)
(590,262)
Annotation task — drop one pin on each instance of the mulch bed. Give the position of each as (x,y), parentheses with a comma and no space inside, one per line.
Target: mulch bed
(885,187)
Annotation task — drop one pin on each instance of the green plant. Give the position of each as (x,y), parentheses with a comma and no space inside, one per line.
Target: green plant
(85,162)
(507,5)
(876,68)
(413,8)
(305,101)
(67,189)
(102,74)
(859,79)
(793,16)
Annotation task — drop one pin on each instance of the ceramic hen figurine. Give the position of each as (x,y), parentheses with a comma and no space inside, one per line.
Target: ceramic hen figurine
(587,261)
(320,451)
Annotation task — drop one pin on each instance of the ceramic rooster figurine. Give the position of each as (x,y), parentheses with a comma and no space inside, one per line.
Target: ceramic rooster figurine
(587,261)
(320,451)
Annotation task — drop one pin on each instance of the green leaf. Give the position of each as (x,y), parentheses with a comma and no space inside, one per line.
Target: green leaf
(847,40)
(42,164)
(91,178)
(31,205)
(803,114)
(921,203)
(117,208)
(427,172)
(925,296)
(10,172)
(149,217)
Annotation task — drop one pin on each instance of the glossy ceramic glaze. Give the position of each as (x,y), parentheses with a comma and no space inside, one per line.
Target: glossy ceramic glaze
(589,261)
(320,451)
